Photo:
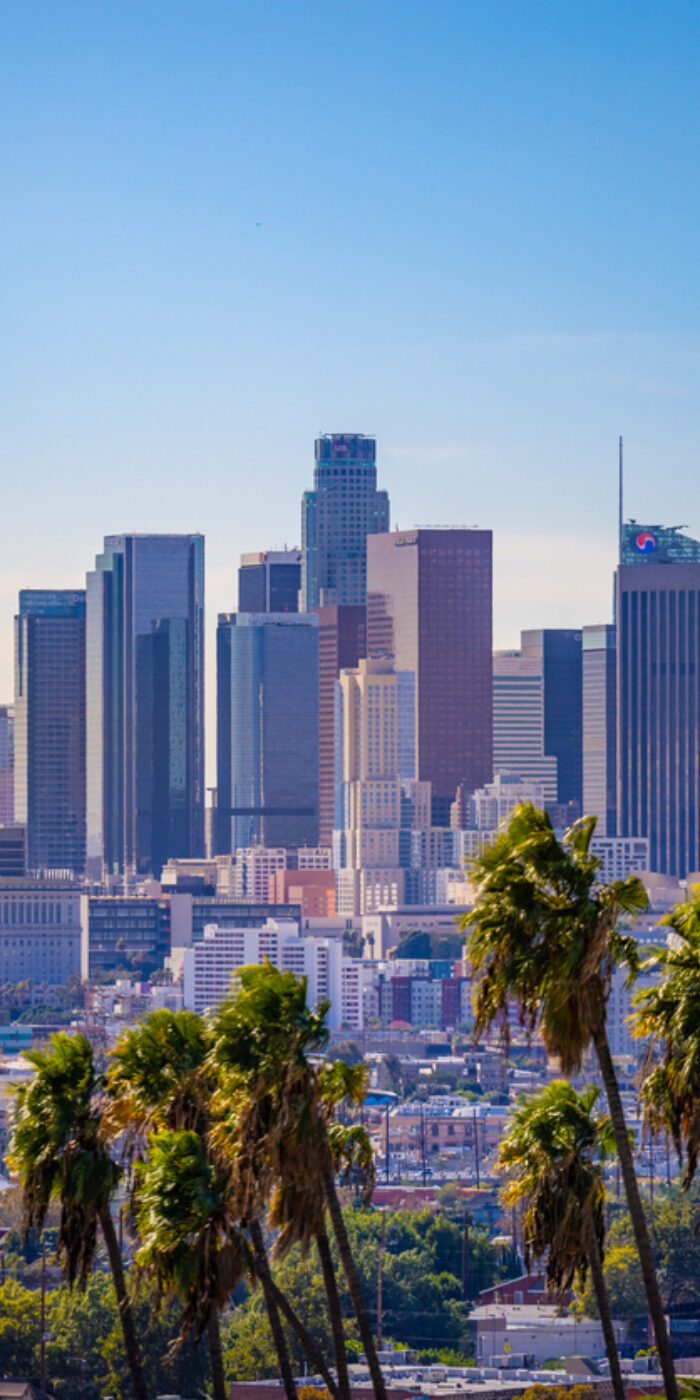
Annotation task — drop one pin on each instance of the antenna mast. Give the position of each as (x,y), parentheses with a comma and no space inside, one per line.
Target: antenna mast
(619,504)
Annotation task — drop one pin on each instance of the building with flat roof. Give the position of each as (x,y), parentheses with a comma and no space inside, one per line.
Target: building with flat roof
(429,603)
(599,663)
(267,735)
(145,704)
(49,728)
(342,637)
(269,581)
(337,517)
(518,722)
(41,926)
(7,765)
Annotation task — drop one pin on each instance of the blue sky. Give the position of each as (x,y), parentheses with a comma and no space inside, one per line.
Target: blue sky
(469,226)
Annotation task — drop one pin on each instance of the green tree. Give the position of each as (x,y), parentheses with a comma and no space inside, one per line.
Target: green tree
(623,1282)
(19,1329)
(551,1159)
(668,1015)
(544,934)
(59,1151)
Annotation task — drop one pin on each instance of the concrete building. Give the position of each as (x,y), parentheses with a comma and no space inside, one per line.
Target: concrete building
(342,636)
(209,966)
(494,802)
(13,852)
(49,729)
(7,765)
(429,610)
(658,737)
(518,722)
(337,517)
(190,913)
(257,866)
(145,704)
(599,663)
(267,730)
(124,932)
(312,890)
(269,582)
(41,924)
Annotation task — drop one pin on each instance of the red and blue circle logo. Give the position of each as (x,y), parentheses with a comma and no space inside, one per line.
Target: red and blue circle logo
(645,542)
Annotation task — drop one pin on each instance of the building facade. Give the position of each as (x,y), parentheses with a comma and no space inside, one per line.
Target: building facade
(429,604)
(270,581)
(337,516)
(599,662)
(49,729)
(267,730)
(7,765)
(658,660)
(342,636)
(558,651)
(145,703)
(518,722)
(40,932)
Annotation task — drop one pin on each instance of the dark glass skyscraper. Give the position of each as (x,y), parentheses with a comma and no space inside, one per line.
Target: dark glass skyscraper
(429,608)
(270,582)
(7,765)
(50,728)
(342,642)
(145,703)
(343,509)
(658,739)
(600,726)
(558,651)
(267,730)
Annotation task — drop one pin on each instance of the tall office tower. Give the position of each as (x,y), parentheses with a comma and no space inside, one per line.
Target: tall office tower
(267,730)
(429,608)
(599,659)
(7,765)
(270,582)
(145,703)
(658,743)
(337,517)
(366,839)
(342,641)
(518,722)
(50,728)
(558,651)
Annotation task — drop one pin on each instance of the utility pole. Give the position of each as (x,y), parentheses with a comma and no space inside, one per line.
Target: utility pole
(465,1258)
(42,1362)
(422,1141)
(476,1149)
(387,1142)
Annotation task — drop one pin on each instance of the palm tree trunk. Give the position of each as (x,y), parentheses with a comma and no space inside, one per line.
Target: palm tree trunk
(334,1313)
(316,1358)
(126,1316)
(271,1304)
(601,1294)
(354,1285)
(636,1210)
(218,1381)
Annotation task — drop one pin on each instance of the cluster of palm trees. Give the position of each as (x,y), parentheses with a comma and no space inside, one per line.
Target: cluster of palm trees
(215,1128)
(544,939)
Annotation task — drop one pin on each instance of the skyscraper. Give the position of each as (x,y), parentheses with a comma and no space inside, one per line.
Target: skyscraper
(270,581)
(145,703)
(600,726)
(267,730)
(429,608)
(658,736)
(558,652)
(7,765)
(342,641)
(337,517)
(50,728)
(518,722)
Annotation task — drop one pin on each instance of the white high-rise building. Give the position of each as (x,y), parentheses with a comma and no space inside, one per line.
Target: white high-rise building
(518,721)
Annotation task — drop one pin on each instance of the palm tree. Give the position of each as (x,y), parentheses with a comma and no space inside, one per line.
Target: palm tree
(669,1015)
(543,935)
(161,1078)
(59,1151)
(268,1040)
(551,1158)
(187,1241)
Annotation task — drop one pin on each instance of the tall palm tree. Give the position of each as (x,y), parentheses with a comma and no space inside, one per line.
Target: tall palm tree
(187,1241)
(268,1040)
(668,1014)
(544,935)
(59,1151)
(551,1158)
(161,1077)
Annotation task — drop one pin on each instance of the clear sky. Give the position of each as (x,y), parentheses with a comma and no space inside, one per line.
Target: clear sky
(468,226)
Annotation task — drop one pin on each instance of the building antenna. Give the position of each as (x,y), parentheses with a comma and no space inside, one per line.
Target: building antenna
(620,516)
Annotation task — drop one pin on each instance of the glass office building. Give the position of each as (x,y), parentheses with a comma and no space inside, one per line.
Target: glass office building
(336,518)
(7,765)
(600,726)
(270,581)
(658,664)
(268,734)
(49,728)
(145,703)
(557,651)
